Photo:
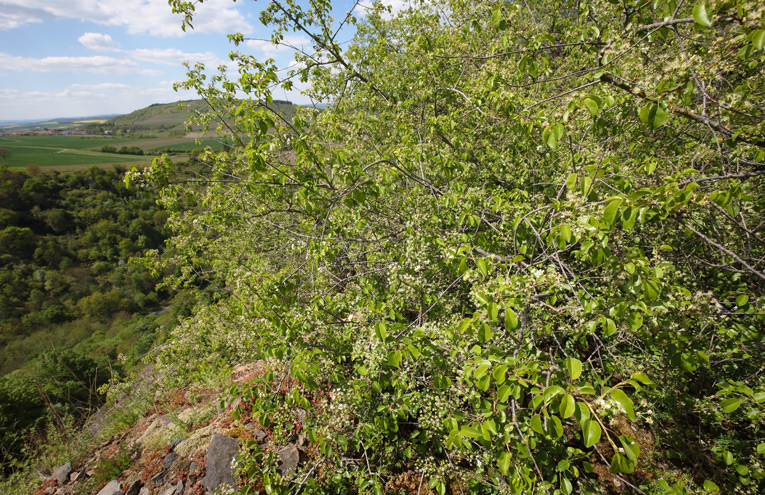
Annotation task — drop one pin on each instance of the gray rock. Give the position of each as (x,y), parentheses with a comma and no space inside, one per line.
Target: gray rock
(61,473)
(134,488)
(301,414)
(169,460)
(111,488)
(220,473)
(173,489)
(257,433)
(144,491)
(158,478)
(176,442)
(81,476)
(290,458)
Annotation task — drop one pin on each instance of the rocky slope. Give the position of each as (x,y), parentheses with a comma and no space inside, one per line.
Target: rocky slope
(186,443)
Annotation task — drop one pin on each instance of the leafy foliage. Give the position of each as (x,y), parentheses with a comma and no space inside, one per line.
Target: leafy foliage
(518,233)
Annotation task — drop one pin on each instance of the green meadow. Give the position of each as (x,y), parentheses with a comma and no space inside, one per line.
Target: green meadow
(75,151)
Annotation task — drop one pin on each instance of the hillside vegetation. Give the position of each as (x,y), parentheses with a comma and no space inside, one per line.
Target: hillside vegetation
(74,314)
(521,251)
(171,118)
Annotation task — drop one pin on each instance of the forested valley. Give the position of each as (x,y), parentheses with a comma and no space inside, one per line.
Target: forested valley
(74,312)
(519,248)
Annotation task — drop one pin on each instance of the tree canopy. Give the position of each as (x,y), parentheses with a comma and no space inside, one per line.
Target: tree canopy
(519,251)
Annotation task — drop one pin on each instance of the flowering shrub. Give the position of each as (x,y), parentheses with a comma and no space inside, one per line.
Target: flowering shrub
(510,225)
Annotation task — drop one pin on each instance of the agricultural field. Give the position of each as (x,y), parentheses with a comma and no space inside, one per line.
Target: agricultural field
(54,125)
(71,152)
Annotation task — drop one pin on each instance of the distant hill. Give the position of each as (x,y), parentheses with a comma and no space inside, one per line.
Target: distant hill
(172,117)
(52,124)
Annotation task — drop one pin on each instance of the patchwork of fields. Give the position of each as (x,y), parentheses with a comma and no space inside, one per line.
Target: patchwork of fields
(71,152)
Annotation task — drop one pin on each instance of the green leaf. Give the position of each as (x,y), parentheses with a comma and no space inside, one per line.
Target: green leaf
(556,426)
(536,424)
(482,298)
(499,22)
(574,367)
(652,288)
(710,486)
(586,182)
(586,389)
(742,300)
(481,264)
(642,378)
(552,135)
(484,333)
(730,404)
(653,115)
(619,396)
(634,321)
(571,181)
(566,486)
(700,14)
(464,325)
(592,106)
(413,351)
(493,311)
(758,39)
(567,406)
(631,448)
(622,464)
(728,458)
(380,331)
(609,328)
(500,374)
(394,359)
(470,432)
(503,462)
(511,320)
(591,432)
(552,391)
(504,393)
(489,429)
(481,370)
(629,215)
(565,233)
(611,209)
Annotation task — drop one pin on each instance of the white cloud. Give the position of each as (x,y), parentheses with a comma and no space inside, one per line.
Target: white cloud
(290,43)
(102,86)
(13,16)
(153,17)
(173,56)
(98,41)
(98,64)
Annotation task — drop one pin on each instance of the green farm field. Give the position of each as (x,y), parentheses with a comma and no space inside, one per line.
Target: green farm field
(71,152)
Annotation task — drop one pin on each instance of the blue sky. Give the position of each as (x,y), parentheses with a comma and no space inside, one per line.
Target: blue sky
(70,58)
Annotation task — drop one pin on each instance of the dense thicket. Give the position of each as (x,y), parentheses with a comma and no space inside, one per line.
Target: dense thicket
(70,303)
(520,251)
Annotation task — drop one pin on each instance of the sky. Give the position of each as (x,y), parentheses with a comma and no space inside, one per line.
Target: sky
(77,58)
